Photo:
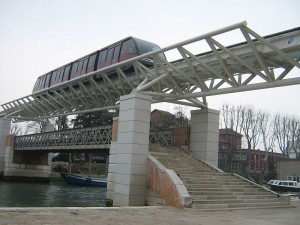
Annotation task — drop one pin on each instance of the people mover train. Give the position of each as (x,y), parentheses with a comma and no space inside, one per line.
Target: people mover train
(120,51)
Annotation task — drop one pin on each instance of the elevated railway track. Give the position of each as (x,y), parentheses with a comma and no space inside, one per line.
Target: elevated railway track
(254,63)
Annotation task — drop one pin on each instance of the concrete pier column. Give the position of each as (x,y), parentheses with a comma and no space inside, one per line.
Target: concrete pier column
(132,150)
(112,163)
(5,125)
(204,135)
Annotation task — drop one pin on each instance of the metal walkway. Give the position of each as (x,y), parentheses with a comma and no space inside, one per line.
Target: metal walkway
(256,63)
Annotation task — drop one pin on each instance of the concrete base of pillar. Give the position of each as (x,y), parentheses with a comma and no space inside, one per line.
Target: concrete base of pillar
(132,151)
(18,165)
(4,131)
(204,135)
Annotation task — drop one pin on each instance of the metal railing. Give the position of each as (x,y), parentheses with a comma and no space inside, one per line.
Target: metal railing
(164,138)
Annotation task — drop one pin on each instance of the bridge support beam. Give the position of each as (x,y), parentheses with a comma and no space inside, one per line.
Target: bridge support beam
(132,151)
(204,135)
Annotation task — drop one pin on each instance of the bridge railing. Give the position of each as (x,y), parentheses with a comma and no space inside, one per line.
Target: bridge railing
(86,138)
(91,138)
(164,138)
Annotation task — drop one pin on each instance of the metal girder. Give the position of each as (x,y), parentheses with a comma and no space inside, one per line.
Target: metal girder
(255,63)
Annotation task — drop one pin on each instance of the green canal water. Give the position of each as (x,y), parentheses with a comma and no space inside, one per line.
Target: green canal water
(57,193)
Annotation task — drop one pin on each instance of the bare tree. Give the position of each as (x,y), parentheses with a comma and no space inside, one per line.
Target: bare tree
(282,132)
(250,126)
(15,129)
(33,127)
(295,136)
(265,128)
(180,117)
(232,121)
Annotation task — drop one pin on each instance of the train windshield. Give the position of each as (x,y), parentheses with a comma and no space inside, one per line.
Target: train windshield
(145,47)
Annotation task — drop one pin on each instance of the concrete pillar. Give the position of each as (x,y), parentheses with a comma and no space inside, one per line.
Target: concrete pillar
(5,125)
(132,150)
(112,163)
(204,135)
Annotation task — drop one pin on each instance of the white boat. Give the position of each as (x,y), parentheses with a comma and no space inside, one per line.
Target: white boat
(291,184)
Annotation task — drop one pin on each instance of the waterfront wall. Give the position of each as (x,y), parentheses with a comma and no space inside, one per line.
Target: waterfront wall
(165,187)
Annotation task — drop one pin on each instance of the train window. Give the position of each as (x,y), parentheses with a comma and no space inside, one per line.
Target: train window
(36,83)
(41,82)
(47,80)
(60,75)
(66,73)
(145,47)
(109,56)
(91,63)
(53,78)
(83,69)
(116,54)
(80,67)
(128,50)
(101,59)
(74,70)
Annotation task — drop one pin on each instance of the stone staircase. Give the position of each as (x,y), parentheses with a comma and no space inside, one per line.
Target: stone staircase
(211,188)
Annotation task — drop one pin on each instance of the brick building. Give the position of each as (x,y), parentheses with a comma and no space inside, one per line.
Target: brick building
(231,152)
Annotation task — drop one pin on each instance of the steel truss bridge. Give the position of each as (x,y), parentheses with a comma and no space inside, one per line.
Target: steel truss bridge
(255,63)
(85,139)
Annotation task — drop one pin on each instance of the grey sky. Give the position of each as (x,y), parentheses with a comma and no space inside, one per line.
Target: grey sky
(37,36)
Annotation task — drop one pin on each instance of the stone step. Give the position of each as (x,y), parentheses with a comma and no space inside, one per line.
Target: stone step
(219,189)
(231,197)
(238,201)
(229,193)
(241,205)
(222,186)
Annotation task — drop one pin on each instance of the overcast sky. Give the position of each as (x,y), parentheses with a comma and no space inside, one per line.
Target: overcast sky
(37,36)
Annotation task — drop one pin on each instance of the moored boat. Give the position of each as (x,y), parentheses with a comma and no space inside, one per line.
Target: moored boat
(289,185)
(83,180)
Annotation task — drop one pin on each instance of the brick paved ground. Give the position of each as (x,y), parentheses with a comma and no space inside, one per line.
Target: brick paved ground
(148,216)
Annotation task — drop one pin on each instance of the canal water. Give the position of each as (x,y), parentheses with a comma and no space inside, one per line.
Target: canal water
(56,194)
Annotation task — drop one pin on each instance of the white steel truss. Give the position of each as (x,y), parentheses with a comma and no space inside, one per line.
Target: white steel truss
(255,63)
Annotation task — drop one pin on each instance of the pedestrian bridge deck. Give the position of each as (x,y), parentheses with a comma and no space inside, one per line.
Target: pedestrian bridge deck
(92,138)
(75,139)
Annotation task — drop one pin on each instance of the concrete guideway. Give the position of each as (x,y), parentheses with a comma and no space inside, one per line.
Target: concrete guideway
(148,216)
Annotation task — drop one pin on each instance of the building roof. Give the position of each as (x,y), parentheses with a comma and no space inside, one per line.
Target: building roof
(229,131)
(162,112)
